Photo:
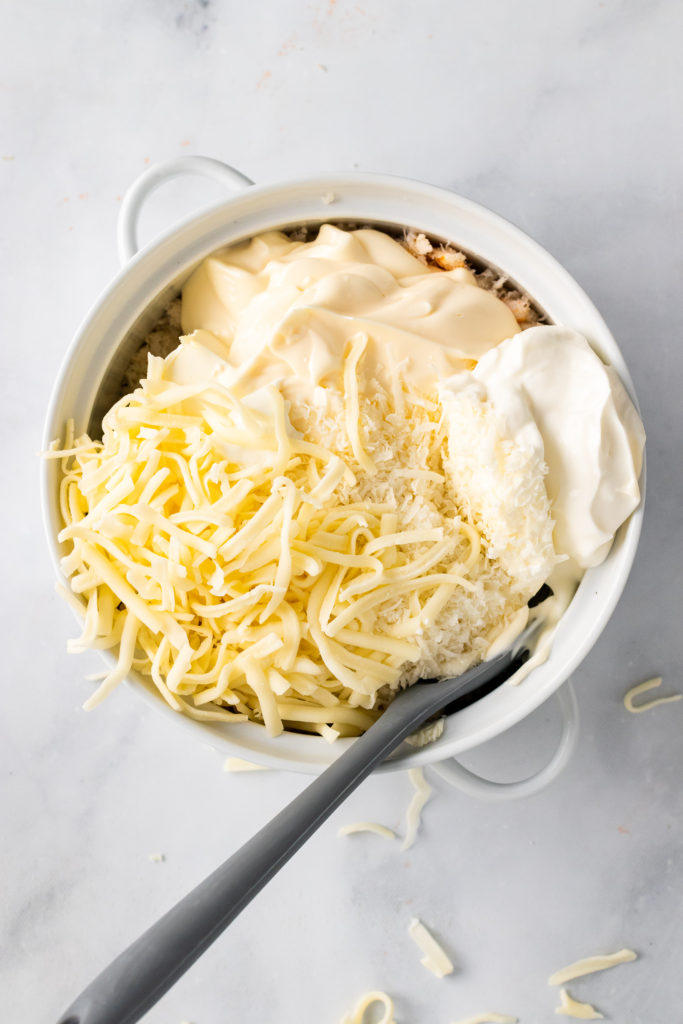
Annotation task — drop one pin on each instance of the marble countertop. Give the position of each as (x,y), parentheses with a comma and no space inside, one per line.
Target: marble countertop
(561,118)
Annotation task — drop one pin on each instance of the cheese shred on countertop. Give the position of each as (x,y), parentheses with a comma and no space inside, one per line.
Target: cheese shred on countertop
(570,1007)
(435,958)
(591,964)
(366,826)
(649,684)
(414,813)
(358,1014)
(238,764)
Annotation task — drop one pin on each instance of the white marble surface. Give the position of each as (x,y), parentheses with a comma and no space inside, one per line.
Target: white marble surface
(564,118)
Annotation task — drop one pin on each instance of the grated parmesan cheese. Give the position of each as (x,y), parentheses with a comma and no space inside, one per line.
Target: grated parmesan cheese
(499,472)
(428,733)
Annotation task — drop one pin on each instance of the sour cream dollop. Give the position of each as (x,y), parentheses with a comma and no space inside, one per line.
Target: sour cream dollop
(593,438)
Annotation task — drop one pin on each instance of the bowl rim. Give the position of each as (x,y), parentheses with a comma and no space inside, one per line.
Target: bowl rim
(199,231)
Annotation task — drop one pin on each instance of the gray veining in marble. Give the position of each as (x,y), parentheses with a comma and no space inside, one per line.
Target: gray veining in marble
(566,120)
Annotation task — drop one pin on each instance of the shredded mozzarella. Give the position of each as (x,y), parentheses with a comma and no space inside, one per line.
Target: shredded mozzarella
(366,826)
(256,575)
(414,813)
(351,401)
(590,965)
(649,684)
(435,958)
(238,764)
(573,1008)
(357,1015)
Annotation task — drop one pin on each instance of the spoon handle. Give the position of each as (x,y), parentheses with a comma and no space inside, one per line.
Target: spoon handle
(139,976)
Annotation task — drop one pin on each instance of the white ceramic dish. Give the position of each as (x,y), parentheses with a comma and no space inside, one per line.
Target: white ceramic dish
(161,268)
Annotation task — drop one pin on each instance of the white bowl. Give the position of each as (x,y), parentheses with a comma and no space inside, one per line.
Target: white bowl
(150,277)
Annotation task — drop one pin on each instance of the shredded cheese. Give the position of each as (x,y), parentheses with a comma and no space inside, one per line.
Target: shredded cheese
(590,965)
(570,1007)
(366,826)
(357,347)
(435,958)
(266,559)
(221,574)
(649,684)
(357,1015)
(428,733)
(413,814)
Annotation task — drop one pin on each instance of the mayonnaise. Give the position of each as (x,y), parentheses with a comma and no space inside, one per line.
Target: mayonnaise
(285,312)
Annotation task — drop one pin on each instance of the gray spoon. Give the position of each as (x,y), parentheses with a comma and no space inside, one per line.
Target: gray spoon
(139,976)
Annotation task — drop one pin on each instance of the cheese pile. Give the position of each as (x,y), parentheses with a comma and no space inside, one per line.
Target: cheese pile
(289,536)
(228,559)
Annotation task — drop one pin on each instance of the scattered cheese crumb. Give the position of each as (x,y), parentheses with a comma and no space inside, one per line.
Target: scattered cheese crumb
(413,814)
(329,198)
(427,734)
(435,958)
(237,764)
(573,1008)
(487,1018)
(367,826)
(357,1015)
(158,858)
(649,684)
(590,965)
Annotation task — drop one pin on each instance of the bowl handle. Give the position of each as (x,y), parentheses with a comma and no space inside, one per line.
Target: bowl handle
(475,785)
(158,174)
